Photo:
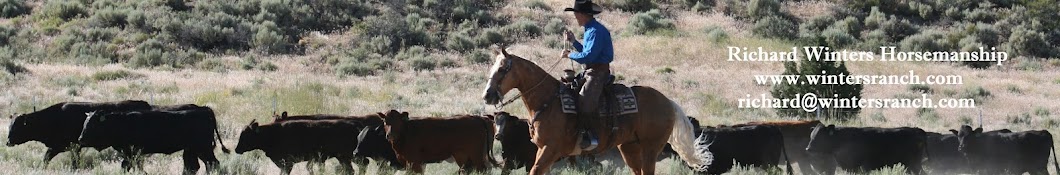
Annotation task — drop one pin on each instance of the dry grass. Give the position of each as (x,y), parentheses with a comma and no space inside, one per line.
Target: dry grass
(703,82)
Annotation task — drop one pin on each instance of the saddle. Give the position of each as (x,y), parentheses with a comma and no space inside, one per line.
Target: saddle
(616,99)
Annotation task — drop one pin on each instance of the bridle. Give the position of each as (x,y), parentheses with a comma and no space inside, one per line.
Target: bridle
(505,68)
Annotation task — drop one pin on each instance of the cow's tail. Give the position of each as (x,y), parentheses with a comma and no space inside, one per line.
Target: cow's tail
(784,150)
(489,142)
(683,141)
(218,133)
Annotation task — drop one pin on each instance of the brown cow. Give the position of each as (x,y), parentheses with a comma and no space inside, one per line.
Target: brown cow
(465,138)
(796,137)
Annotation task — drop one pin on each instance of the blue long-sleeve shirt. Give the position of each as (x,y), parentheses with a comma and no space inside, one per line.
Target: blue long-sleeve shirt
(597,48)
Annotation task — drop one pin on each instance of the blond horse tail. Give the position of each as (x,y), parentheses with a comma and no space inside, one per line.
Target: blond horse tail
(685,144)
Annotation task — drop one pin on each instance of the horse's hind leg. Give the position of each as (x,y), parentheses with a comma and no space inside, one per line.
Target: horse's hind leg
(633,154)
(650,152)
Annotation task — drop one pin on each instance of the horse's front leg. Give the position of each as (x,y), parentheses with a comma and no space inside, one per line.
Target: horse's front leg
(546,156)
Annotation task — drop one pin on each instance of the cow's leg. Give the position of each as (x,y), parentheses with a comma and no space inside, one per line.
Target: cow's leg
(285,166)
(362,164)
(346,163)
(416,167)
(209,159)
(75,157)
(506,167)
(191,161)
(546,156)
(51,153)
(631,154)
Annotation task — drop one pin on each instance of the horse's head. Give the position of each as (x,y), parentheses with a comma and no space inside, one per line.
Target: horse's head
(498,85)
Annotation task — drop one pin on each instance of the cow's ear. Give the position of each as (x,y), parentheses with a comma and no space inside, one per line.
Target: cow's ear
(283,115)
(491,117)
(954,131)
(254,124)
(380,115)
(978,130)
(405,116)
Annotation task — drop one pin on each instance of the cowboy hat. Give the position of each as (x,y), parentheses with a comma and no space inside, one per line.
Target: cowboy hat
(585,6)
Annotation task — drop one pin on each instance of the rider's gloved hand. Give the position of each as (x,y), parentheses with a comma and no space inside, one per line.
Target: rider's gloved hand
(569,36)
(566,52)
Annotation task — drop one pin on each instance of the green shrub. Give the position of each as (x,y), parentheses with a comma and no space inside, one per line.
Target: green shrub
(978,93)
(13,8)
(64,9)
(459,42)
(716,34)
(489,36)
(537,4)
(838,38)
(215,65)
(758,9)
(268,38)
(478,57)
(355,68)
(920,88)
(267,66)
(422,63)
(7,34)
(522,28)
(115,75)
(12,67)
(109,17)
(806,67)
(651,21)
(926,41)
(774,27)
(630,5)
(555,26)
(1027,42)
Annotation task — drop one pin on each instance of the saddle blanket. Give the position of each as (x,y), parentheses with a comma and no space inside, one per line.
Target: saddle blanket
(619,100)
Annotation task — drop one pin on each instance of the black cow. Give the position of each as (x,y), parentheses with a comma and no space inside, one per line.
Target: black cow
(516,148)
(146,132)
(1007,153)
(864,149)
(59,125)
(943,156)
(372,143)
(755,145)
(292,141)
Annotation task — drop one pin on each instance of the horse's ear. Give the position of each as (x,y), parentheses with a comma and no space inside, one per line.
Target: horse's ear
(500,49)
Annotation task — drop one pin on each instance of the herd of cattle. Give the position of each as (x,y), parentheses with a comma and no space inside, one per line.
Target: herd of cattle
(394,139)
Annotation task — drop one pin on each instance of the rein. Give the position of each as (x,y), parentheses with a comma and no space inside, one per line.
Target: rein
(516,97)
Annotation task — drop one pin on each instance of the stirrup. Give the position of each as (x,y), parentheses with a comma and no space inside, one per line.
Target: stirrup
(588,141)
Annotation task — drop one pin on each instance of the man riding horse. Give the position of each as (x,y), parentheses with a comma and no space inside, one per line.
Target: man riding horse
(596,54)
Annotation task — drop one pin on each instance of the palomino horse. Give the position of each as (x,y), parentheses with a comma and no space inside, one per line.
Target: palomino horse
(640,136)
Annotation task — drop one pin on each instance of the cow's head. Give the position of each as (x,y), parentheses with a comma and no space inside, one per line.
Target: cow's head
(822,139)
(372,143)
(97,129)
(500,80)
(21,129)
(503,123)
(394,123)
(967,137)
(250,138)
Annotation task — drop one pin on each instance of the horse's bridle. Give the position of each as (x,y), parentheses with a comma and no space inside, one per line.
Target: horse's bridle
(504,72)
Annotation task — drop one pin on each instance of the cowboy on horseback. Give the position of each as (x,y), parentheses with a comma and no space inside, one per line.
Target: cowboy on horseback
(596,54)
